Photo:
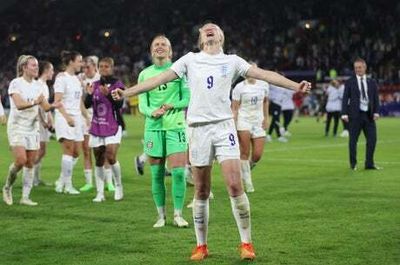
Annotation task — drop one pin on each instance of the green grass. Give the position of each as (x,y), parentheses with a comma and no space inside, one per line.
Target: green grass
(308,208)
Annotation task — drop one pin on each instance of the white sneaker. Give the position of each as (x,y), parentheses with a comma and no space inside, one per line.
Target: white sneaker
(7,195)
(71,190)
(268,138)
(282,130)
(27,201)
(59,186)
(160,223)
(282,139)
(345,133)
(287,134)
(180,222)
(211,196)
(99,197)
(119,193)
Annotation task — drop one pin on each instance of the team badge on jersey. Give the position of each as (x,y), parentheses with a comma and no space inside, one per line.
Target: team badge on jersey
(224,70)
(149,145)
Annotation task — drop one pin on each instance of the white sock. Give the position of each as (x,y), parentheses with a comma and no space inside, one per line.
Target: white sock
(241,212)
(27,182)
(200,220)
(161,212)
(99,176)
(177,212)
(12,175)
(66,170)
(108,175)
(143,158)
(36,171)
(88,176)
(245,170)
(116,169)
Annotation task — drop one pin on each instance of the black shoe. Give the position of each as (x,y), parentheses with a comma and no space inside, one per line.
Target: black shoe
(373,168)
(139,166)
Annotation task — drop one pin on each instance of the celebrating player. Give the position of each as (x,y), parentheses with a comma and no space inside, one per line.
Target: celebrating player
(164,137)
(250,111)
(105,130)
(23,126)
(212,133)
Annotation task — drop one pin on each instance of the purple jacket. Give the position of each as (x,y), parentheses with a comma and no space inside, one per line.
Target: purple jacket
(106,115)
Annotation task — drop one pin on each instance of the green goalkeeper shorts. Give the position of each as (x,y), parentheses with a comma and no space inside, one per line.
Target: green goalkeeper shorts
(164,143)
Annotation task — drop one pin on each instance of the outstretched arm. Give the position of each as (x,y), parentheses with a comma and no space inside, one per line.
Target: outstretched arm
(277,79)
(146,85)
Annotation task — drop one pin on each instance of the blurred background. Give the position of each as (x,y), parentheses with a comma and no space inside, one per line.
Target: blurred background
(313,40)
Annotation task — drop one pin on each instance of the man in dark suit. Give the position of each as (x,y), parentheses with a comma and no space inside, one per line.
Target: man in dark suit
(360,109)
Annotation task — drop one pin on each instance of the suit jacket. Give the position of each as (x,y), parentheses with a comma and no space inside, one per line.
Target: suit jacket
(351,98)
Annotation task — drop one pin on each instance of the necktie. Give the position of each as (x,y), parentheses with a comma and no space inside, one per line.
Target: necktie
(364,96)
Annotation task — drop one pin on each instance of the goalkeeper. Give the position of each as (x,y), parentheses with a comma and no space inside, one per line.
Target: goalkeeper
(164,136)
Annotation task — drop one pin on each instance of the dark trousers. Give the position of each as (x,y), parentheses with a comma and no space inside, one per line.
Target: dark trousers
(367,125)
(287,118)
(275,112)
(345,125)
(329,115)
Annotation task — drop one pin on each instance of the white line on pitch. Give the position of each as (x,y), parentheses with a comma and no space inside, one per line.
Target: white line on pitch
(307,160)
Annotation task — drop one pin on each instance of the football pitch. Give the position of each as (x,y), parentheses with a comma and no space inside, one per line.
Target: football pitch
(308,208)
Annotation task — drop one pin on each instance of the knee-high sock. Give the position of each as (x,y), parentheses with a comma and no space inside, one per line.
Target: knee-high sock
(27,182)
(88,176)
(108,175)
(66,169)
(12,175)
(157,184)
(116,170)
(241,212)
(99,176)
(36,171)
(245,170)
(178,188)
(200,220)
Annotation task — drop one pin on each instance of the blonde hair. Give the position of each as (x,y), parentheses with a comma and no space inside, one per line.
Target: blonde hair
(107,60)
(200,42)
(166,39)
(92,59)
(23,61)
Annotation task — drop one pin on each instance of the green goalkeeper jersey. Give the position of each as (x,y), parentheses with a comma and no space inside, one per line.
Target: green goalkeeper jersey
(175,93)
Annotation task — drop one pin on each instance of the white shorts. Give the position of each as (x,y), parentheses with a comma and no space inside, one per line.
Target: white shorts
(85,127)
(213,140)
(29,142)
(44,134)
(64,131)
(96,141)
(255,129)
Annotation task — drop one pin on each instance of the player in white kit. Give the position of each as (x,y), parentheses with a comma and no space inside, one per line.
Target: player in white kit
(212,133)
(46,72)
(68,119)
(250,110)
(3,118)
(23,126)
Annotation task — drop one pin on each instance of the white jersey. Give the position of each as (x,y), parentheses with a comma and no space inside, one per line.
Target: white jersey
(1,109)
(24,121)
(71,88)
(210,78)
(287,99)
(251,98)
(275,94)
(45,91)
(88,81)
(334,101)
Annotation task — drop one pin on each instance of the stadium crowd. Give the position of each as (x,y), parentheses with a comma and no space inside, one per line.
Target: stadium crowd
(294,36)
